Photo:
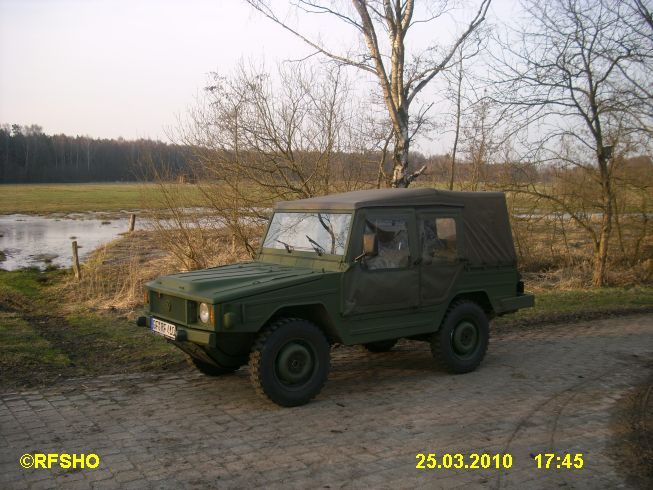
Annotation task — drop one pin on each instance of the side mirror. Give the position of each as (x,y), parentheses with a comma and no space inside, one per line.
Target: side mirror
(370,245)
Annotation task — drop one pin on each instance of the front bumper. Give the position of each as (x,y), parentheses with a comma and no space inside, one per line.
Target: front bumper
(184,334)
(508,305)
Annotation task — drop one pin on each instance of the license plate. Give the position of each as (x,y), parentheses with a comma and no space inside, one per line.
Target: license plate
(163,328)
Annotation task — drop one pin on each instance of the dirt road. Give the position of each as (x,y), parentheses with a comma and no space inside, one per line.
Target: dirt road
(551,389)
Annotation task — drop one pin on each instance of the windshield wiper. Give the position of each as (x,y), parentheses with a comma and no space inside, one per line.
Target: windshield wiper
(289,248)
(316,246)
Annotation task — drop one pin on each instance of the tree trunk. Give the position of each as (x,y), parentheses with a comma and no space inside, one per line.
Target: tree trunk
(452,165)
(400,163)
(601,252)
(27,157)
(457,135)
(476,172)
(381,176)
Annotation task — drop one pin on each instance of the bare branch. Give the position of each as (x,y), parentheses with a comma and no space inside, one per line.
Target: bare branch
(430,73)
(264,9)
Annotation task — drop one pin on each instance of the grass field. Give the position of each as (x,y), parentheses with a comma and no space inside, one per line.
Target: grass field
(77,198)
(104,197)
(43,339)
(112,197)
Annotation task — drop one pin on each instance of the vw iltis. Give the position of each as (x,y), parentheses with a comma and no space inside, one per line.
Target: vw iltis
(364,267)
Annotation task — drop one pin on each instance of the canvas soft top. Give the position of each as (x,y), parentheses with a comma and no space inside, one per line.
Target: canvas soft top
(487,234)
(382,197)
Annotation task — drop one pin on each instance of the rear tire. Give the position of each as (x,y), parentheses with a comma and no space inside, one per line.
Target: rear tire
(290,362)
(210,369)
(381,345)
(462,341)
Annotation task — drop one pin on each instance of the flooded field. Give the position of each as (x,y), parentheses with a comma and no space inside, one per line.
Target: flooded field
(37,241)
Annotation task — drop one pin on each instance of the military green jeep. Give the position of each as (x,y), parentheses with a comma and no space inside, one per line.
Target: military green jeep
(364,267)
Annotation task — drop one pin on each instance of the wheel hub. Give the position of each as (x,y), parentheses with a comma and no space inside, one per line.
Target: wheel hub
(464,338)
(295,363)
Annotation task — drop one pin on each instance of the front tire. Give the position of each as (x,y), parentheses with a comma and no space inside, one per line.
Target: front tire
(462,341)
(290,362)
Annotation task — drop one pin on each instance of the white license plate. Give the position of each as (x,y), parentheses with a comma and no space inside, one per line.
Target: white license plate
(163,328)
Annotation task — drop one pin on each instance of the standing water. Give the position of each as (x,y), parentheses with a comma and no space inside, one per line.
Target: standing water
(37,241)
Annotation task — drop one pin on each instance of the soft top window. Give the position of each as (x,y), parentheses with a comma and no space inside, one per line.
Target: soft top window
(438,237)
(394,251)
(322,233)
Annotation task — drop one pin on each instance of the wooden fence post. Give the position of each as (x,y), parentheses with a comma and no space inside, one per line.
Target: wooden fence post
(132,222)
(76,269)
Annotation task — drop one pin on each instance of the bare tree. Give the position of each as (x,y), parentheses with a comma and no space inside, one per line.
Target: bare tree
(479,140)
(259,137)
(644,12)
(638,72)
(470,116)
(400,75)
(457,90)
(573,80)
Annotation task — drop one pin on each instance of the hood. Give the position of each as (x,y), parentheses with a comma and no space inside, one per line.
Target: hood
(232,280)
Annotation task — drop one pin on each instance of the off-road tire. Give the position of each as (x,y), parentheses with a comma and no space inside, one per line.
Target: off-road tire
(279,356)
(381,345)
(454,346)
(210,369)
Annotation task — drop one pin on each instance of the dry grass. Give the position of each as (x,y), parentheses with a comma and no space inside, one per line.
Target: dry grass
(557,254)
(114,275)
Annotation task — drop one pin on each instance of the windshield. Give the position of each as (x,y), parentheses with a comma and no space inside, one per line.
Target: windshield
(323,233)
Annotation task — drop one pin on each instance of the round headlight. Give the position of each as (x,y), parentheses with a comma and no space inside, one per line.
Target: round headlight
(204,313)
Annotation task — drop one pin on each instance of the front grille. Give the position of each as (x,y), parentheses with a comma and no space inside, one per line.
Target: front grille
(170,307)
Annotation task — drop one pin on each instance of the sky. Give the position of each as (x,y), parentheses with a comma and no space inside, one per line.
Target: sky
(132,68)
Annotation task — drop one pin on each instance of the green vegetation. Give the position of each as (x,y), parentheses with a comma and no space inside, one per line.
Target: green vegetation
(77,198)
(560,305)
(111,197)
(21,286)
(26,357)
(43,338)
(591,300)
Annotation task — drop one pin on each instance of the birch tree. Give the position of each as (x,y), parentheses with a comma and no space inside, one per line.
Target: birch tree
(383,26)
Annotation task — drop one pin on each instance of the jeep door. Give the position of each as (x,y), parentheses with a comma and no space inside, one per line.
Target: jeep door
(390,280)
(440,235)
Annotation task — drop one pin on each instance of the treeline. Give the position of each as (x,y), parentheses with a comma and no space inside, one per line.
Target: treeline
(475,175)
(27,155)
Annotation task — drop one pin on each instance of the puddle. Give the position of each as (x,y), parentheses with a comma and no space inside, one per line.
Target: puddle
(37,241)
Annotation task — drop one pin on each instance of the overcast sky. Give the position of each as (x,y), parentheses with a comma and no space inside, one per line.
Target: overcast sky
(110,68)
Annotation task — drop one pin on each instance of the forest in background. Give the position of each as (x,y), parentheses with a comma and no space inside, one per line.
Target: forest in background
(28,155)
